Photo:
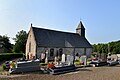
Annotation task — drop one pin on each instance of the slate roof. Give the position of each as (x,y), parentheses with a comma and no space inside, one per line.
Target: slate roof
(52,38)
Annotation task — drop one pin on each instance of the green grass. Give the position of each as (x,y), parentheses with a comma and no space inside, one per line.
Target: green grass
(77,62)
(5,57)
(1,69)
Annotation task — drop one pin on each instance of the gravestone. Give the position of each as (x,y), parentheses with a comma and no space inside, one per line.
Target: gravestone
(118,55)
(43,57)
(113,57)
(83,59)
(70,59)
(55,59)
(46,59)
(63,58)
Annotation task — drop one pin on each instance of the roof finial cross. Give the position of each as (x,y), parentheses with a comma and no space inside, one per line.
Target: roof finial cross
(31,24)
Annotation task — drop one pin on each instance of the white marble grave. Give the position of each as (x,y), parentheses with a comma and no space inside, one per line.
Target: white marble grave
(46,59)
(70,59)
(63,58)
(83,59)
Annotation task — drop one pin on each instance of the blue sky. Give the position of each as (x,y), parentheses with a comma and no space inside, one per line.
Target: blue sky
(101,18)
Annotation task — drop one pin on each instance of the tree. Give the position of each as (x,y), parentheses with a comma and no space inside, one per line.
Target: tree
(20,42)
(4,40)
(103,48)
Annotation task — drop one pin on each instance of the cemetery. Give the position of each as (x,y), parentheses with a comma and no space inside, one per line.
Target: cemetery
(65,65)
(69,67)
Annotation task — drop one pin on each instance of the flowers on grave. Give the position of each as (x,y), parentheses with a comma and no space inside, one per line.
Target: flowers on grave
(95,59)
(12,64)
(81,63)
(51,65)
(113,59)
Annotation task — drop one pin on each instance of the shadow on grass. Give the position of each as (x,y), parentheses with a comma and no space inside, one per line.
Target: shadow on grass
(30,72)
(73,71)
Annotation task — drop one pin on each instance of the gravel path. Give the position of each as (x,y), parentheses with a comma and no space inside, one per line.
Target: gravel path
(89,73)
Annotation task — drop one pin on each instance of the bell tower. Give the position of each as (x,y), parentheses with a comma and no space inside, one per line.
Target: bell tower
(80,29)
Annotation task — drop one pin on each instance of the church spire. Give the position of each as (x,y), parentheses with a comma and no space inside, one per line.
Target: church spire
(80,29)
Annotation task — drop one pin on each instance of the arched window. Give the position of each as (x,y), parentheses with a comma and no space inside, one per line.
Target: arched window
(51,52)
(60,52)
(77,54)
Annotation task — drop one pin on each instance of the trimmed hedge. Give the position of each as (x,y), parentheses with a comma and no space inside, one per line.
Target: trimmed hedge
(10,56)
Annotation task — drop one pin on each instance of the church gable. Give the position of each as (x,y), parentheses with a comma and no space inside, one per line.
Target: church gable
(31,44)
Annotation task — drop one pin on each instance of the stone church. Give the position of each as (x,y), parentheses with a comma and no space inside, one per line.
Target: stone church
(56,43)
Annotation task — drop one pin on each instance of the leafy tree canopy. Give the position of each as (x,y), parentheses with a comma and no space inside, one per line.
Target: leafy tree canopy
(112,47)
(4,40)
(20,42)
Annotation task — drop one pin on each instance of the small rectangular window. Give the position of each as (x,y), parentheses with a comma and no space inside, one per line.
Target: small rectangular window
(30,47)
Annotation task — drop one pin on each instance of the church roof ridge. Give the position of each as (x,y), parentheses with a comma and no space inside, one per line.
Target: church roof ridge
(35,27)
